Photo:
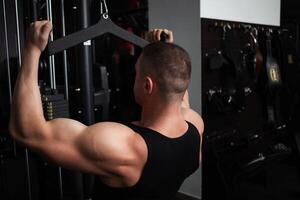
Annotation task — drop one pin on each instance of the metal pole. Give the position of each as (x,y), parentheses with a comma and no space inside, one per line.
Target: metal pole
(34,9)
(60,184)
(19,62)
(87,90)
(51,58)
(65,63)
(18,32)
(53,86)
(85,67)
(8,65)
(7,52)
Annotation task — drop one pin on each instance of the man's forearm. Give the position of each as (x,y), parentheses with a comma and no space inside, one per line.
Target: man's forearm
(26,111)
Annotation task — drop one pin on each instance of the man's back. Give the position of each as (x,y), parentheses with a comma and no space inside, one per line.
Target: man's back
(169,161)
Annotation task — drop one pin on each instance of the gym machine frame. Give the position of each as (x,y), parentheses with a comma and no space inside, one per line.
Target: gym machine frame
(105,25)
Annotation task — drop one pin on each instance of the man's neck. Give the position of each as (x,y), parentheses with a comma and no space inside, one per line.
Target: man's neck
(158,115)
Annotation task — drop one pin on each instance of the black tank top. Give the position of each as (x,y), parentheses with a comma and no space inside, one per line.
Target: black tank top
(170,161)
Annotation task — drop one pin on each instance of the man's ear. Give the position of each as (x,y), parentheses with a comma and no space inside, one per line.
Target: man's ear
(148,85)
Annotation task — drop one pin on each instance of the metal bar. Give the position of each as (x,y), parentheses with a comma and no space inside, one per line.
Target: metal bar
(34,10)
(28,173)
(86,82)
(51,58)
(8,65)
(19,62)
(51,37)
(103,26)
(7,52)
(65,62)
(85,67)
(74,39)
(53,86)
(18,32)
(65,65)
(297,37)
(60,182)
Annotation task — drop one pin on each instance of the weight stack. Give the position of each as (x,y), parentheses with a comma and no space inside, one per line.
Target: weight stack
(55,106)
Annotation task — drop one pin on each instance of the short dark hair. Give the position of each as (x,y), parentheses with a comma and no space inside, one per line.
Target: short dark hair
(170,64)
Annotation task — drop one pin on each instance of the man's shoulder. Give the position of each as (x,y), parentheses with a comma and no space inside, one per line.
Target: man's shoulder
(118,132)
(193,117)
(115,137)
(112,127)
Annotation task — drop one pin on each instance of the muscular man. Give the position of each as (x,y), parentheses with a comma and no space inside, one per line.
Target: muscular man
(147,159)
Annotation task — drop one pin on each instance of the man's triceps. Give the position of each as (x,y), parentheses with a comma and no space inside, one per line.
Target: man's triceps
(94,149)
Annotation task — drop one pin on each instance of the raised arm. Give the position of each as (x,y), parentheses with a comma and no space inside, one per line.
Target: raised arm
(27,118)
(68,143)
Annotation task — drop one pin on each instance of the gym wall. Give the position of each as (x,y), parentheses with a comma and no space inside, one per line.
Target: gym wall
(183,18)
(265,12)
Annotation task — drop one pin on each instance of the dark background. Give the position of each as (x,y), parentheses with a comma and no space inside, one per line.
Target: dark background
(235,135)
